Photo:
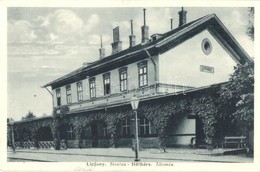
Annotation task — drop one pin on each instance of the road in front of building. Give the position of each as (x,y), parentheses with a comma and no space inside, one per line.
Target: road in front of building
(124,155)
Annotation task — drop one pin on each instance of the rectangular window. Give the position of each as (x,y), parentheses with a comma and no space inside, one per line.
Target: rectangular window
(92,87)
(126,127)
(107,88)
(70,133)
(80,91)
(105,132)
(123,80)
(144,126)
(142,73)
(68,93)
(58,97)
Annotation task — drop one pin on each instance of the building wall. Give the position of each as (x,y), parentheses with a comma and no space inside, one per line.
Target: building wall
(181,65)
(133,82)
(73,93)
(85,87)
(180,130)
(63,95)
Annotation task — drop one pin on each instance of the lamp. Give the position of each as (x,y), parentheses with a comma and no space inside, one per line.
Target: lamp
(134,104)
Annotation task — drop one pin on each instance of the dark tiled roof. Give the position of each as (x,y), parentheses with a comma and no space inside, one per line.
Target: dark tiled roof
(148,45)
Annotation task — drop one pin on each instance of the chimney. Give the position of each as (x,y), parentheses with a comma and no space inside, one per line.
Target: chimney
(171,24)
(101,49)
(182,17)
(117,44)
(132,36)
(145,30)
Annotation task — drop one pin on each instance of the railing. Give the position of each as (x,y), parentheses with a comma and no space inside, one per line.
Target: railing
(120,97)
(46,144)
(24,145)
(31,145)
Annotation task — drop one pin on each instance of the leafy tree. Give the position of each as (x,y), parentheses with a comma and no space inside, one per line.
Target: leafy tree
(250,26)
(30,115)
(238,96)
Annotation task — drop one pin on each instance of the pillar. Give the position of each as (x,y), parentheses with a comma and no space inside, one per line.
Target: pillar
(56,133)
(78,140)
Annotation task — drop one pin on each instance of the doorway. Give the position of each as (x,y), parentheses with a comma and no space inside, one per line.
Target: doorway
(94,134)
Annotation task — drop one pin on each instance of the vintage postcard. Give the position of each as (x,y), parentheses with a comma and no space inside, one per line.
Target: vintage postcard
(129,86)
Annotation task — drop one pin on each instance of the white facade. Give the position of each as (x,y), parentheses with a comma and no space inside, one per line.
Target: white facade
(181,65)
(132,80)
(189,57)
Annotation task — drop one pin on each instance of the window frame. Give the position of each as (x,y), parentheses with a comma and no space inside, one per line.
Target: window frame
(126,125)
(146,123)
(141,66)
(105,77)
(123,82)
(68,94)
(70,132)
(92,88)
(105,132)
(58,97)
(80,92)
(206,49)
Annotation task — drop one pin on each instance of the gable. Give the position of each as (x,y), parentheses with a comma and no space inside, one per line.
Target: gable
(187,64)
(216,28)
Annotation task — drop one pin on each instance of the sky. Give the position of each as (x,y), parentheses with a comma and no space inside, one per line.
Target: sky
(46,43)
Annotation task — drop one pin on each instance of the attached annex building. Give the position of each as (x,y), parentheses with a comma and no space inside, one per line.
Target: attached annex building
(92,104)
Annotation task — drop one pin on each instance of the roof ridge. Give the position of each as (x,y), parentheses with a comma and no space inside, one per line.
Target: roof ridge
(167,36)
(123,52)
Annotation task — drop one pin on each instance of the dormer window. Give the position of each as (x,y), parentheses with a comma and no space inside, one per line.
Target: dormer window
(156,36)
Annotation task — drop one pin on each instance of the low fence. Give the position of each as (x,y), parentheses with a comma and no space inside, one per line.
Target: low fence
(31,145)
(25,145)
(46,144)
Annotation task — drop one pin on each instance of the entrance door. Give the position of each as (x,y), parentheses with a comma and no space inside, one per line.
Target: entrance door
(94,133)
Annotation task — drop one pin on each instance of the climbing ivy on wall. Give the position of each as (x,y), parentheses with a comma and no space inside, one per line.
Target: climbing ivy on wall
(206,109)
(159,114)
(27,130)
(158,111)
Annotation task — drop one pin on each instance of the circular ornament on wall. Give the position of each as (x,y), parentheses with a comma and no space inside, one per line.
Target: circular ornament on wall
(206,46)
